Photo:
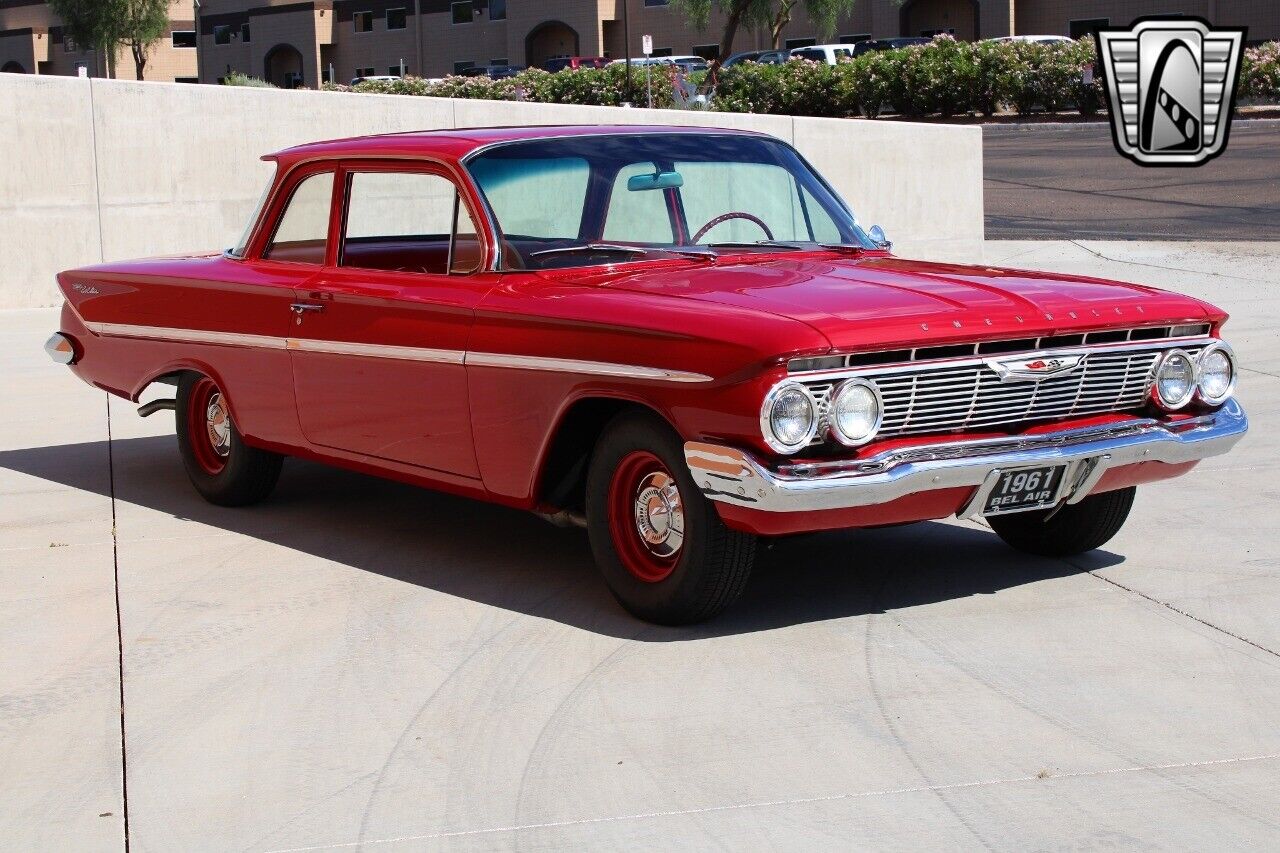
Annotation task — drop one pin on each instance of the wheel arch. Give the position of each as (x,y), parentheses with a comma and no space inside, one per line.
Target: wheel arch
(562,470)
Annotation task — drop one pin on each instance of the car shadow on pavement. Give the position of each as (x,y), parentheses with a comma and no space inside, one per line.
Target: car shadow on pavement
(513,560)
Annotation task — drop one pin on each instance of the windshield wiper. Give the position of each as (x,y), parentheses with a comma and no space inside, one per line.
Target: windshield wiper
(591,247)
(686,252)
(760,244)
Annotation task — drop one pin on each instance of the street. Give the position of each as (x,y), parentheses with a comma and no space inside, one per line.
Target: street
(1068,182)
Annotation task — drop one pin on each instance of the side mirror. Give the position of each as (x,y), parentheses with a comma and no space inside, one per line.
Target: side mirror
(877,236)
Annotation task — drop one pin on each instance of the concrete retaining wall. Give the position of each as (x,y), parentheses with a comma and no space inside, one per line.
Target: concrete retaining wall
(96,170)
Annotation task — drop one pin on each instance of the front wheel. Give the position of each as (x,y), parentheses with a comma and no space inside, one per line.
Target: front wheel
(224,470)
(662,548)
(1074,529)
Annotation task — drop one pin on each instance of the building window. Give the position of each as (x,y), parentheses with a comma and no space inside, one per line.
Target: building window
(793,43)
(363,22)
(1087,26)
(657,3)
(244,34)
(397,71)
(459,67)
(499,61)
(365,72)
(186,79)
(462,12)
(397,19)
(706,51)
(855,38)
(222,34)
(184,38)
(497,10)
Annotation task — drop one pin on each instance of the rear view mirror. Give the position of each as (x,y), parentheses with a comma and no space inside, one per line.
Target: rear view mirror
(656,181)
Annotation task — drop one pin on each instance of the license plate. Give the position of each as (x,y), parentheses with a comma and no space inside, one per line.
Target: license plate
(1023,489)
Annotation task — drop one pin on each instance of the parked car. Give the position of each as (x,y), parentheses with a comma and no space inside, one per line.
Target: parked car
(573,63)
(1036,39)
(888,44)
(691,367)
(493,72)
(685,63)
(763,57)
(828,53)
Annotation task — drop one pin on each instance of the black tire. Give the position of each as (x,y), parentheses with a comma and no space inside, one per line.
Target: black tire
(712,565)
(246,474)
(1075,529)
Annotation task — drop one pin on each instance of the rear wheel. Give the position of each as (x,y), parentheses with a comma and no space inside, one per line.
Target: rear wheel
(224,469)
(661,546)
(1075,528)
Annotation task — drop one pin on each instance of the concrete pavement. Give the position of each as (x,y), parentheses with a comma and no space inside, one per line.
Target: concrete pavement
(360,664)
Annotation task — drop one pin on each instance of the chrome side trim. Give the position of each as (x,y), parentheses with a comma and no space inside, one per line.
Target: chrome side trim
(729,475)
(438,356)
(193,336)
(593,368)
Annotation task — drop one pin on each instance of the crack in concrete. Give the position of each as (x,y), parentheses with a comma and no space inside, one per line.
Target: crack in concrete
(1098,254)
(115,568)
(1179,611)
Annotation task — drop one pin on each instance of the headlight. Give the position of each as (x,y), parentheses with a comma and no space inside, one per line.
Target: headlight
(1175,380)
(855,412)
(789,417)
(1216,368)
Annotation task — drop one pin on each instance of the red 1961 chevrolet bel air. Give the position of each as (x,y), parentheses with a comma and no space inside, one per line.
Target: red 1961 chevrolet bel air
(678,338)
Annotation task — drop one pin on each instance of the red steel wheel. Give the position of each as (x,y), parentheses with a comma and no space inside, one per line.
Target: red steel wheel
(209,426)
(646,516)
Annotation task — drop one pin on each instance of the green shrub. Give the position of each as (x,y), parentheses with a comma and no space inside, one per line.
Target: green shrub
(945,77)
(235,78)
(1260,72)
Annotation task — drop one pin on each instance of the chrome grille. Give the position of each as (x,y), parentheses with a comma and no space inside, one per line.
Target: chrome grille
(970,396)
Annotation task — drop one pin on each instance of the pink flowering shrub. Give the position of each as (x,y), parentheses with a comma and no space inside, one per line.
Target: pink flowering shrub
(946,78)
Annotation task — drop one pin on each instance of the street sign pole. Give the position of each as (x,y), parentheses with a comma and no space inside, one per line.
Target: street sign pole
(646,47)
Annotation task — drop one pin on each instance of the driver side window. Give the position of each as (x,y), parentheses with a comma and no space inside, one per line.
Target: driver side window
(408,222)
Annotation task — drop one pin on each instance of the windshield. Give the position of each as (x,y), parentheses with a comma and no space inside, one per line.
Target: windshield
(584,200)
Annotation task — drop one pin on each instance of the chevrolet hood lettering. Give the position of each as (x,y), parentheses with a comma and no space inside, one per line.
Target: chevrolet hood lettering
(1035,368)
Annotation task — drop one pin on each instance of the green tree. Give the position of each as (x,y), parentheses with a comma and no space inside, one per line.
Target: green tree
(140,24)
(106,25)
(90,25)
(771,14)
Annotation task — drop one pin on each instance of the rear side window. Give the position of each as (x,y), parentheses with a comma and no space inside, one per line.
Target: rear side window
(303,231)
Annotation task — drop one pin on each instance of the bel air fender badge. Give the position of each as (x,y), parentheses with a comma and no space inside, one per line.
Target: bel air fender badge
(1034,369)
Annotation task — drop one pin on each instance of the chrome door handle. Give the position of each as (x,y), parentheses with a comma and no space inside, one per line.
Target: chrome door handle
(301,308)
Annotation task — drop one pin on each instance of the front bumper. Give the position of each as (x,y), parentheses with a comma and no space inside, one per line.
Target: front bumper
(730,476)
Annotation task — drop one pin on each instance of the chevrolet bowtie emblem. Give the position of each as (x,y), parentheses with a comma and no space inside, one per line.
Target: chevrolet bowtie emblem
(1171,88)
(1034,369)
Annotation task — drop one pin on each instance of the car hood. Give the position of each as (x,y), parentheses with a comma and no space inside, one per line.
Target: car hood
(873,300)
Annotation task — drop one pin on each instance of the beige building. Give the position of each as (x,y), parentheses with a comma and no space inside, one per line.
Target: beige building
(304,42)
(33,41)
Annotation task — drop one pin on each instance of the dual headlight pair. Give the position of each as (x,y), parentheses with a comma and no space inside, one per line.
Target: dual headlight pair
(1209,377)
(789,418)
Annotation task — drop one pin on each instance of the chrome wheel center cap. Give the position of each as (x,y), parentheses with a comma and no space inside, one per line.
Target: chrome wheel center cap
(659,514)
(218,423)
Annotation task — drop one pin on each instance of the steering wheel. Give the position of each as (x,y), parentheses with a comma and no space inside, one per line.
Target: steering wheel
(725,217)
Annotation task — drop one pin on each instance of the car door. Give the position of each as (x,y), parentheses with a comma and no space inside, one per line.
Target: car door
(381,332)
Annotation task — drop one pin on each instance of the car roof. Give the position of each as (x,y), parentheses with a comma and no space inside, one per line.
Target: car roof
(453,145)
